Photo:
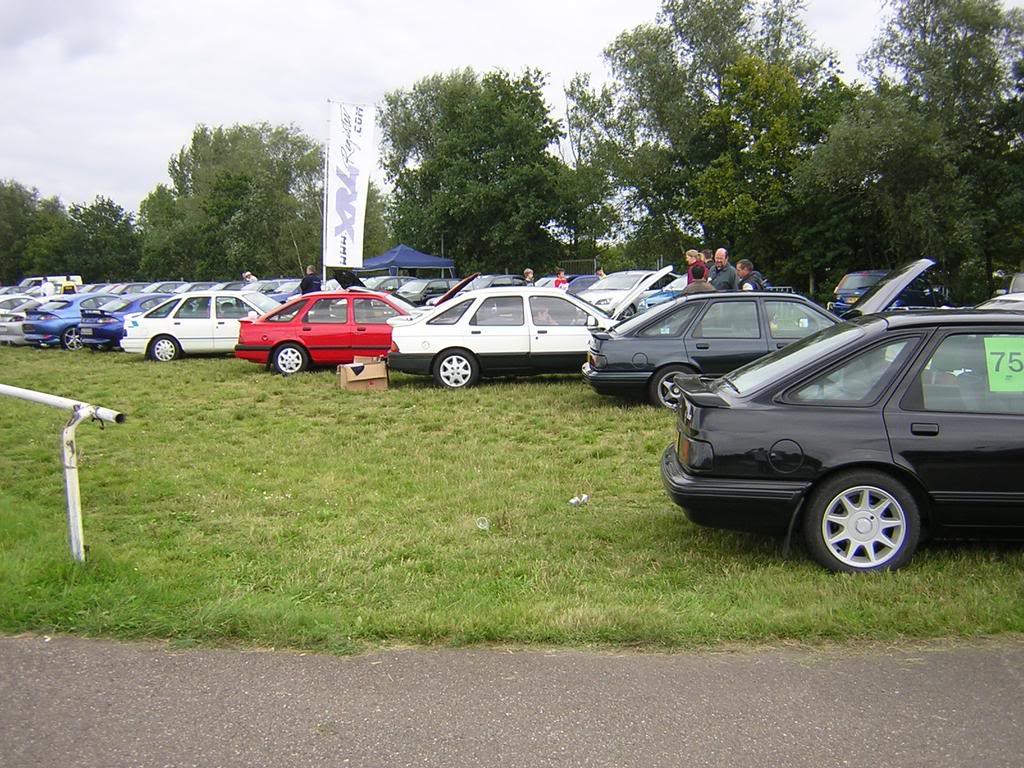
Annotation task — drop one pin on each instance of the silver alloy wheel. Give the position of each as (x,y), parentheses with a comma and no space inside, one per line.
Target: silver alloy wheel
(164,350)
(72,338)
(669,393)
(288,360)
(864,526)
(455,371)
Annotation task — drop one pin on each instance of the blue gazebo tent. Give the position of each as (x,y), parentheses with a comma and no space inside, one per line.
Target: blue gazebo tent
(404,257)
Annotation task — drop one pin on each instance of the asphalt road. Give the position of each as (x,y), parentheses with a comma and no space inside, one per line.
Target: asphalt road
(73,702)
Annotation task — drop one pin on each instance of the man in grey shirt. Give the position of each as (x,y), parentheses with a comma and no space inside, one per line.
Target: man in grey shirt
(722,275)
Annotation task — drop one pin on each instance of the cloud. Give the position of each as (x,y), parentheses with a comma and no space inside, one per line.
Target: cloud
(81,28)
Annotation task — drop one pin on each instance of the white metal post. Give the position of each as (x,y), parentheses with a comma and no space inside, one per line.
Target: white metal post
(69,452)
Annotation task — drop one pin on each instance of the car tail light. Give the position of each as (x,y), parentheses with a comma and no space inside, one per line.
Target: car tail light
(394,347)
(596,360)
(695,454)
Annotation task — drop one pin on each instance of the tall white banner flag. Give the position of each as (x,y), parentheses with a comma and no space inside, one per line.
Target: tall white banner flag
(351,155)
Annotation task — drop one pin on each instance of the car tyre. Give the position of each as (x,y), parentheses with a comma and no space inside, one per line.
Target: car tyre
(164,349)
(289,359)
(862,520)
(71,338)
(662,390)
(456,369)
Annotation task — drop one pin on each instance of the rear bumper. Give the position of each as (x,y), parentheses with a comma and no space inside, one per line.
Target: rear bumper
(760,506)
(419,364)
(615,382)
(254,353)
(134,344)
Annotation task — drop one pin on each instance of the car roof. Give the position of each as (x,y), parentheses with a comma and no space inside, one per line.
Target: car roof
(949,317)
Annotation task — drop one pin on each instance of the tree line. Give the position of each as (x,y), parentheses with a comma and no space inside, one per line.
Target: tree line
(724,124)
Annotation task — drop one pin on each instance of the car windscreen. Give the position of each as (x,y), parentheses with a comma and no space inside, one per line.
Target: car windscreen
(413,287)
(858,280)
(678,284)
(264,303)
(373,282)
(620,281)
(753,376)
(116,305)
(53,306)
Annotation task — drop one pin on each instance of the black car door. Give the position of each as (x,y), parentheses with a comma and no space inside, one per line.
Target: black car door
(726,336)
(958,423)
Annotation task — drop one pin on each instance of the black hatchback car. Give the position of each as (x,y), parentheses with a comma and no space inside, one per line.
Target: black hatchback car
(862,436)
(705,333)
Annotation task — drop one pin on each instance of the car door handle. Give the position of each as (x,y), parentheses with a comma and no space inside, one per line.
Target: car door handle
(927,430)
(361,328)
(307,328)
(703,346)
(176,322)
(541,331)
(780,345)
(475,333)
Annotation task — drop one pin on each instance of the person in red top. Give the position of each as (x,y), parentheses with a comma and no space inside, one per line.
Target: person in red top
(560,281)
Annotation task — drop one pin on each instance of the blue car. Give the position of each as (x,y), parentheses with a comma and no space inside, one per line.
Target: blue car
(670,292)
(920,294)
(102,328)
(56,322)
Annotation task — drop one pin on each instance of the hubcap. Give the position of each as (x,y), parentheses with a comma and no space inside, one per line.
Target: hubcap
(72,339)
(668,391)
(163,350)
(455,371)
(864,526)
(289,360)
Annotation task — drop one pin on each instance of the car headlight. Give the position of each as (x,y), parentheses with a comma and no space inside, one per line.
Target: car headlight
(853,299)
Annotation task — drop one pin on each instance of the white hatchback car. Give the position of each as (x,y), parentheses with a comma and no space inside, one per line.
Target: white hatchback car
(193,323)
(502,332)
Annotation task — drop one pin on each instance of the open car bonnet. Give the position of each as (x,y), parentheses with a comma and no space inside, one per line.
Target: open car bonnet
(883,293)
(454,290)
(637,290)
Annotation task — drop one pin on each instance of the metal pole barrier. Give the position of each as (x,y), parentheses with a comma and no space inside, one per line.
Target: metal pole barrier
(69,452)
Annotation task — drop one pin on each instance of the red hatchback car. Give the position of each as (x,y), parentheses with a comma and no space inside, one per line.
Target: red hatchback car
(319,329)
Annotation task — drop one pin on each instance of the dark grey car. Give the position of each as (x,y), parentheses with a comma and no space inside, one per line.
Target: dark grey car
(705,333)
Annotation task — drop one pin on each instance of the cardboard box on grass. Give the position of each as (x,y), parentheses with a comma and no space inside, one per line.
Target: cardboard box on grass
(363,374)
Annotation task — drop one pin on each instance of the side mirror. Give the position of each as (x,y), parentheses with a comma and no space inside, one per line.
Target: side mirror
(591,321)
(252,314)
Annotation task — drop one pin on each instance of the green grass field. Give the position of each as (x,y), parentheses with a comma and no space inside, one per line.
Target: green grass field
(237,507)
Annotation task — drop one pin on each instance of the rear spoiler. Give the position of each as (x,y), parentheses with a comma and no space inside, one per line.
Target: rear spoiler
(697,389)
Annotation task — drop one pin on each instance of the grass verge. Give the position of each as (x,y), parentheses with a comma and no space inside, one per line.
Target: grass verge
(237,507)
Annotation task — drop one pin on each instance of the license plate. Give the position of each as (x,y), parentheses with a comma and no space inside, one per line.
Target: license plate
(87,331)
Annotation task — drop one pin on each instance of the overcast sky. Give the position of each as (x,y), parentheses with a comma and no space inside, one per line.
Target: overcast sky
(95,95)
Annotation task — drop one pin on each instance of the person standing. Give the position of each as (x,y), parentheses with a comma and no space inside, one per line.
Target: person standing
(749,278)
(600,274)
(528,276)
(723,275)
(560,282)
(697,283)
(48,288)
(311,282)
(693,258)
(249,277)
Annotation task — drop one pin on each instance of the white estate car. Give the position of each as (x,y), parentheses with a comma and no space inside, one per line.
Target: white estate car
(501,332)
(192,323)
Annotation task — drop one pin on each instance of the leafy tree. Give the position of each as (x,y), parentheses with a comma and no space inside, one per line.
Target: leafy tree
(468,158)
(246,197)
(709,111)
(954,59)
(105,241)
(17,210)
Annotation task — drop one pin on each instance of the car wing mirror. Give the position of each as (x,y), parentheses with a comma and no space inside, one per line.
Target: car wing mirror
(591,321)
(251,314)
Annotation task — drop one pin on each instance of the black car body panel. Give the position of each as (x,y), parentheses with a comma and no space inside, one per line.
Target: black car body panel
(941,412)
